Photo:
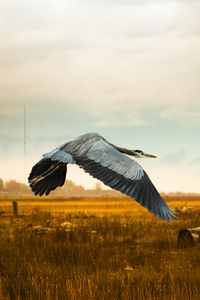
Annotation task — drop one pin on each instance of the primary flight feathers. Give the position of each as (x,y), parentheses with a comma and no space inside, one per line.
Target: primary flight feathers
(103,161)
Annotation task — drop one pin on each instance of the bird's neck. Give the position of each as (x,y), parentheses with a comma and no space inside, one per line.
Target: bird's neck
(123,150)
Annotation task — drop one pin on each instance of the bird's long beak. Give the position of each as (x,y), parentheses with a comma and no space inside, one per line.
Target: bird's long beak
(150,155)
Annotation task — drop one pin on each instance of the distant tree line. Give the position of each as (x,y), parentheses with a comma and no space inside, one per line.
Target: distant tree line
(68,189)
(71,189)
(13,186)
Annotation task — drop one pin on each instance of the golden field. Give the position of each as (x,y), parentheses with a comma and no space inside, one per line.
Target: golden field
(96,248)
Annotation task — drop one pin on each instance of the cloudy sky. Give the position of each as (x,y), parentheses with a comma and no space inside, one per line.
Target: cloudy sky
(129,70)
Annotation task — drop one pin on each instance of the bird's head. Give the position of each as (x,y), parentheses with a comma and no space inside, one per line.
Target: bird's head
(141,154)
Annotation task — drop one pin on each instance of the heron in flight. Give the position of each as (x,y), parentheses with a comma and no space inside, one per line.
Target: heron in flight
(104,161)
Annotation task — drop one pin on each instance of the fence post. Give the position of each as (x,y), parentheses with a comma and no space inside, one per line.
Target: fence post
(15,207)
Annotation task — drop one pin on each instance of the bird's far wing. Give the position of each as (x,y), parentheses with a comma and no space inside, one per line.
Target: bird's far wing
(50,172)
(46,175)
(59,154)
(121,173)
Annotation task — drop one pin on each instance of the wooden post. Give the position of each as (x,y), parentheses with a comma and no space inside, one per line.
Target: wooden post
(15,207)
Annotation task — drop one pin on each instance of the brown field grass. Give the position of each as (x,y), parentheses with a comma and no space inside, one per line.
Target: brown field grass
(113,249)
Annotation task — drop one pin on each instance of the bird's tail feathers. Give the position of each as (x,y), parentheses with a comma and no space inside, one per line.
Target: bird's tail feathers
(46,176)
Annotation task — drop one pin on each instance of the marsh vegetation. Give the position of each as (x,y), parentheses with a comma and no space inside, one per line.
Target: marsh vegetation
(95,248)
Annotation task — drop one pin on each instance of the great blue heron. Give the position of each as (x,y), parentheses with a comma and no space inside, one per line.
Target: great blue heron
(103,161)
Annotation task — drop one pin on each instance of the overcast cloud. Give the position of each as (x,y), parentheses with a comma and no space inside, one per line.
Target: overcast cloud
(126,69)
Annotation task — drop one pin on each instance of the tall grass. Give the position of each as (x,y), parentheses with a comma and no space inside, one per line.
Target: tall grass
(127,256)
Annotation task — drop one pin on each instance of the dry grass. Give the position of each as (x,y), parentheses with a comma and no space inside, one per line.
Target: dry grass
(114,250)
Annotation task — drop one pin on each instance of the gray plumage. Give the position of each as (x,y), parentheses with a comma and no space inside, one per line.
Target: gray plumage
(103,161)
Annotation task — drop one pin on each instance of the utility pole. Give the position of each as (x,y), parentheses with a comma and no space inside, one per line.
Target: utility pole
(24,144)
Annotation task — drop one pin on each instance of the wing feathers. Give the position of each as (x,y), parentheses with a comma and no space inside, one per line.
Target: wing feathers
(141,190)
(46,175)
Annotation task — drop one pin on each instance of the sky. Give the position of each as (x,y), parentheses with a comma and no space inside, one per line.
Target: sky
(129,70)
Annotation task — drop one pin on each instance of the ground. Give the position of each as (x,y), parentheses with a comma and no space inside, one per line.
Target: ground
(96,248)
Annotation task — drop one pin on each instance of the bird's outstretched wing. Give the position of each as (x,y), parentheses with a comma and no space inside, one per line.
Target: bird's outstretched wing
(121,173)
(50,172)
(46,176)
